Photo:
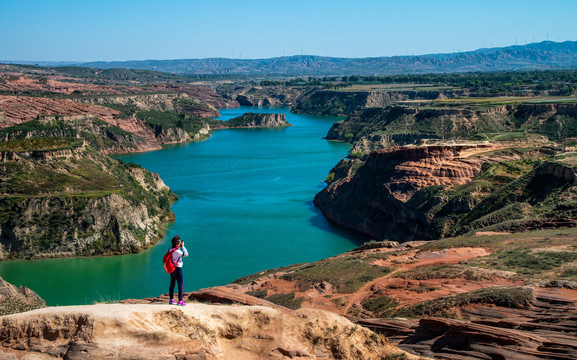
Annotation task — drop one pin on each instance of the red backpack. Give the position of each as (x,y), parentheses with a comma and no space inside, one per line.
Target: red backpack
(169,266)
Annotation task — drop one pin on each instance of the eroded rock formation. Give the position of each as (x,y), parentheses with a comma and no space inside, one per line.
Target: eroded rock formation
(76,201)
(420,192)
(15,300)
(254,120)
(19,109)
(197,331)
(159,102)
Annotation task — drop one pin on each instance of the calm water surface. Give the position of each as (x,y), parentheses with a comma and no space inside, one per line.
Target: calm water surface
(245,206)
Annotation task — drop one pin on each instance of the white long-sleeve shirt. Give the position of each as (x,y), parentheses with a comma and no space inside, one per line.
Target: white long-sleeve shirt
(177,256)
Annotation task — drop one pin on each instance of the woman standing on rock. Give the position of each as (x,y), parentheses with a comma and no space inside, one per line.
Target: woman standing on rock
(176,276)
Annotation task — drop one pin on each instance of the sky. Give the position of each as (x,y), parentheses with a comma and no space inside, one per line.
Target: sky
(108,30)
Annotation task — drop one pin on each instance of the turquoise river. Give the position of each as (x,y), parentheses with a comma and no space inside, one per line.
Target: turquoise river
(245,206)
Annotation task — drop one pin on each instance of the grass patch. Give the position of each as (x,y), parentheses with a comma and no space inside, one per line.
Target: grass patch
(39,144)
(527,262)
(250,278)
(450,272)
(346,274)
(524,240)
(510,297)
(261,294)
(381,306)
(569,272)
(286,300)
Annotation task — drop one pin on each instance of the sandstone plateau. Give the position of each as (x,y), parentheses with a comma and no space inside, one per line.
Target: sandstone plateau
(439,303)
(197,331)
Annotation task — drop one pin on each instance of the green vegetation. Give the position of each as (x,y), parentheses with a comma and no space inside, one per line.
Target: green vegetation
(528,262)
(521,83)
(347,274)
(261,294)
(251,278)
(496,242)
(381,306)
(126,110)
(163,120)
(40,144)
(467,272)
(505,196)
(18,304)
(511,297)
(287,300)
(73,185)
(57,132)
(569,272)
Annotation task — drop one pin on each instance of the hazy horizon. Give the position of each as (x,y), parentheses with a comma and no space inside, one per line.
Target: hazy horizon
(45,31)
(27,62)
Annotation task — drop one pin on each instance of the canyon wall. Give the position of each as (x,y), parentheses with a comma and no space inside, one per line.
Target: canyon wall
(404,124)
(252,120)
(75,201)
(429,192)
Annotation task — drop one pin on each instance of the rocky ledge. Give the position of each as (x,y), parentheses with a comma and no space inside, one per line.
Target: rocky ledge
(257,120)
(197,331)
(544,330)
(18,299)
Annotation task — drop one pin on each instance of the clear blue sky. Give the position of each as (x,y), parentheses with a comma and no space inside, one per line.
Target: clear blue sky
(87,30)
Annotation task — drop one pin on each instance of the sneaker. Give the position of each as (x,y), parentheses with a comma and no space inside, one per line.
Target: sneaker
(181,303)
(172,302)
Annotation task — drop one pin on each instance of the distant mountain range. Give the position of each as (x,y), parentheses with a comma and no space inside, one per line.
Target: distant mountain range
(537,56)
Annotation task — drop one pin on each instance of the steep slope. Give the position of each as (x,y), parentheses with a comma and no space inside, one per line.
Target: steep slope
(257,120)
(428,192)
(60,197)
(18,299)
(374,128)
(100,135)
(340,103)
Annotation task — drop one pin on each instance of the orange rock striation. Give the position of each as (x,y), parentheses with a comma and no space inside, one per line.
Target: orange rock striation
(20,109)
(419,167)
(375,199)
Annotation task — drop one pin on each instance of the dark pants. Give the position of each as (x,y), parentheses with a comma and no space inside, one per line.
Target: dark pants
(176,276)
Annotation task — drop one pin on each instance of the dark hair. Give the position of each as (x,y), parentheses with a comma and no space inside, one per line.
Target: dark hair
(175,241)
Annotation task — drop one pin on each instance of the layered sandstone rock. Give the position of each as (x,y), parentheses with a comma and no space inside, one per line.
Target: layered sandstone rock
(433,191)
(545,330)
(196,331)
(159,102)
(18,84)
(404,124)
(19,109)
(254,120)
(373,199)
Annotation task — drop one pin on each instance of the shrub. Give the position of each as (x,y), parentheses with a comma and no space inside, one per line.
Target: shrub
(510,297)
(286,300)
(330,178)
(381,306)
